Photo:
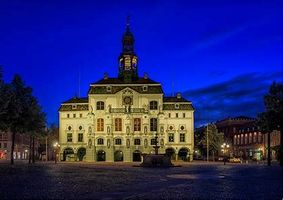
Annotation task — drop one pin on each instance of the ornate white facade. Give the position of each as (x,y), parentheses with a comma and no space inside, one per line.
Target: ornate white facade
(121,117)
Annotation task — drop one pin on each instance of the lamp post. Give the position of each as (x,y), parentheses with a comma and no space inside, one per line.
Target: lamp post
(224,149)
(56,148)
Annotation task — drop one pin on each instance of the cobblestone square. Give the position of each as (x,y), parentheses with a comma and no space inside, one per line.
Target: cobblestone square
(197,180)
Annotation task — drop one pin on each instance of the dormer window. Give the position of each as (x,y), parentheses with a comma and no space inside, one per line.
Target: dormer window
(74,106)
(108,88)
(144,88)
(177,106)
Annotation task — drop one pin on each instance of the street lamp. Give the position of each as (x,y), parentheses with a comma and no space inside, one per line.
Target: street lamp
(56,148)
(224,149)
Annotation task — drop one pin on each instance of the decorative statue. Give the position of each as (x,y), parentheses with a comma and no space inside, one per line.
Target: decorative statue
(89,143)
(108,143)
(128,143)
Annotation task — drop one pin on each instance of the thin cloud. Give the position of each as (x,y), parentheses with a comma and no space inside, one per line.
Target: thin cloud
(242,95)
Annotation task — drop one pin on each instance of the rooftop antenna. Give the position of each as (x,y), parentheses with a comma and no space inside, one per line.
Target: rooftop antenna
(173,89)
(79,95)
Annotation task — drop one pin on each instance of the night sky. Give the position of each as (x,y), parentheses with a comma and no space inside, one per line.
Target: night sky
(222,55)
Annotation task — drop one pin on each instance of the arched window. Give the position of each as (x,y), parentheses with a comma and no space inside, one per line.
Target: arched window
(100,124)
(153,124)
(137,124)
(118,124)
(153,105)
(100,141)
(100,105)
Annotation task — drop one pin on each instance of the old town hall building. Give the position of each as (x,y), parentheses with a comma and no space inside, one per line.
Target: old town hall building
(121,117)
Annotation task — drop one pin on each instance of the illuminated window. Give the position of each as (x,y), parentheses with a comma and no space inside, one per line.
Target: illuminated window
(69,137)
(118,124)
(118,141)
(171,137)
(182,137)
(242,139)
(137,124)
(80,137)
(153,105)
(100,105)
(100,124)
(153,124)
(137,142)
(100,141)
(255,137)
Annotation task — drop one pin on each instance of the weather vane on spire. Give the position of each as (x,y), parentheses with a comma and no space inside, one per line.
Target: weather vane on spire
(128,23)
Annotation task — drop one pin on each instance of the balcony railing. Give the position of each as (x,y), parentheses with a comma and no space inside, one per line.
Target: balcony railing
(127,110)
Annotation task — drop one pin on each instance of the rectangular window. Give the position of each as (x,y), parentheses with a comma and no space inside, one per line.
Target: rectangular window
(100,105)
(184,115)
(69,137)
(118,141)
(0,145)
(5,145)
(100,124)
(80,137)
(68,115)
(137,124)
(177,115)
(182,137)
(137,142)
(153,105)
(153,124)
(152,142)
(169,115)
(100,141)
(118,124)
(171,137)
(74,115)
(81,115)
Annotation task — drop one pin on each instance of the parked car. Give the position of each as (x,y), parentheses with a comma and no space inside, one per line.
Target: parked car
(235,160)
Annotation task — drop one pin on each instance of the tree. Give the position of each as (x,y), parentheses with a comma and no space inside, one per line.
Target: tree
(271,119)
(19,110)
(35,123)
(215,139)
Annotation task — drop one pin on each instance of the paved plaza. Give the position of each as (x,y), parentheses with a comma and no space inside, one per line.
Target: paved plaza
(197,180)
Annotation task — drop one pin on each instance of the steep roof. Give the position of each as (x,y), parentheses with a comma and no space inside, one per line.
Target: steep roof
(119,81)
(175,99)
(76,100)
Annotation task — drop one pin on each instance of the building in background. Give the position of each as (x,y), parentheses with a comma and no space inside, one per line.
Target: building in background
(21,151)
(121,117)
(245,138)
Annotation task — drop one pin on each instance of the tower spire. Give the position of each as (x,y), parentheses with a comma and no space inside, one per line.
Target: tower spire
(128,59)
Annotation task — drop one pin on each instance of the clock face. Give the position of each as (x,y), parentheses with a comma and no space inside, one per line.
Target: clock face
(127,100)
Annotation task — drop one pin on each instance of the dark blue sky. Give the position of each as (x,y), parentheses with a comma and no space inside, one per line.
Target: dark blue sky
(222,55)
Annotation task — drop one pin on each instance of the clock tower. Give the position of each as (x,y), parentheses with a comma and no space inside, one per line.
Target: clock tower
(128,60)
